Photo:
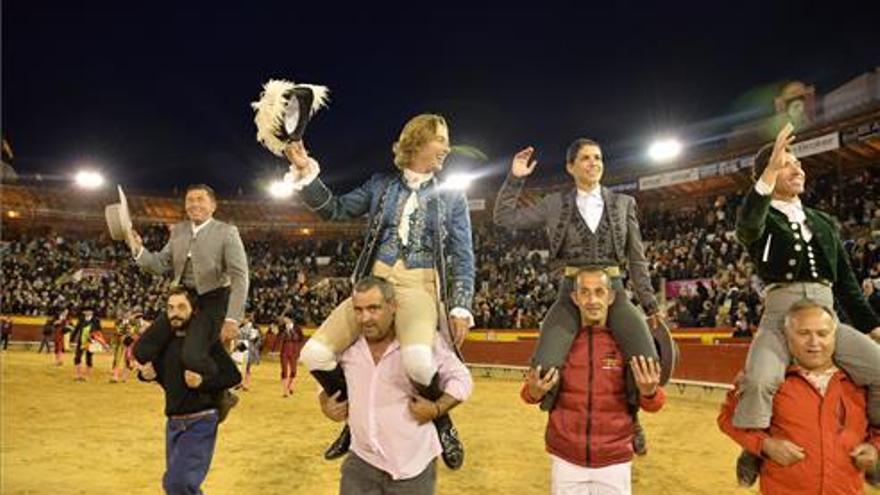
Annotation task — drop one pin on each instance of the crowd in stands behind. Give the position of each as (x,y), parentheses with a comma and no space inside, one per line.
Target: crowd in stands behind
(699,243)
(43,275)
(515,286)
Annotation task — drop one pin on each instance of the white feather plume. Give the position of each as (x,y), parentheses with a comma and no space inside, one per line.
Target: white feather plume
(269,111)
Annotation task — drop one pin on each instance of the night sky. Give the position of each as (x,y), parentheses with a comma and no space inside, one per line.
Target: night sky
(157,95)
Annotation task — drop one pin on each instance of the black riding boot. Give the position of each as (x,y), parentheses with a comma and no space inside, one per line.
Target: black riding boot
(748,468)
(334,381)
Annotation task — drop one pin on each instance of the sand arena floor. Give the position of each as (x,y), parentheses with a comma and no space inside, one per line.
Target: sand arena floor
(63,437)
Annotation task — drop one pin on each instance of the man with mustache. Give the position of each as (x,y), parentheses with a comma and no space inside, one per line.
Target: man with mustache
(191,399)
(798,254)
(414,226)
(207,257)
(394,445)
(818,440)
(589,428)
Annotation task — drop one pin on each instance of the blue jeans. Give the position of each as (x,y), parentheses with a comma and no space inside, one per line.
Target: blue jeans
(189,447)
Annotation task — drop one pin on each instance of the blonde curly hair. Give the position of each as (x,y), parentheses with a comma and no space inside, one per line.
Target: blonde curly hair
(417,132)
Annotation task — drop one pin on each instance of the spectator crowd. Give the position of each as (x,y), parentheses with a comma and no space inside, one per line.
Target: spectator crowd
(514,286)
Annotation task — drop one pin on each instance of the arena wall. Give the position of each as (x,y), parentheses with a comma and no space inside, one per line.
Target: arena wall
(705,355)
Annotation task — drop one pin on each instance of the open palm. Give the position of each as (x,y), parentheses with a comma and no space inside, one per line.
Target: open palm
(522,164)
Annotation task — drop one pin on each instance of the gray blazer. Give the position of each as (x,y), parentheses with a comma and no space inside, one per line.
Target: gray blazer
(218,260)
(554,212)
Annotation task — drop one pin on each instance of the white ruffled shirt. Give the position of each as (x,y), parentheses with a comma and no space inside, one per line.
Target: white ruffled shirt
(298,180)
(413,181)
(793,210)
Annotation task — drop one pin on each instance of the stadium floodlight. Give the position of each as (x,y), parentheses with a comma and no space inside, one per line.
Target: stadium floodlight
(458,182)
(89,179)
(664,150)
(280,190)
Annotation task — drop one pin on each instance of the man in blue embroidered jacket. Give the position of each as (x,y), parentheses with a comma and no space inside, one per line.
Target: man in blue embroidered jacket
(414,225)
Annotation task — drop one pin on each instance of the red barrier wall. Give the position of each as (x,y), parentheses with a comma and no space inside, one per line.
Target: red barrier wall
(711,363)
(708,363)
(515,353)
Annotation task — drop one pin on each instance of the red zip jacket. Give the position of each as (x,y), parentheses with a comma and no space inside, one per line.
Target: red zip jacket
(590,424)
(827,428)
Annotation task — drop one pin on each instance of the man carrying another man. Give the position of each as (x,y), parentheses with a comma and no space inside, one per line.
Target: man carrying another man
(590,427)
(819,439)
(393,442)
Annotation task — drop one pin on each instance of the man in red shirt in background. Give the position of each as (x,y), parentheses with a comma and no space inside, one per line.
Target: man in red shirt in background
(819,440)
(590,430)
(291,339)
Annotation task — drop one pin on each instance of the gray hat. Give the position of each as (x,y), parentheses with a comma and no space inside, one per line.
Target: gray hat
(667,349)
(118,218)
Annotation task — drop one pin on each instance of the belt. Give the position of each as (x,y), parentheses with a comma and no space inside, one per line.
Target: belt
(195,415)
(612,271)
(782,285)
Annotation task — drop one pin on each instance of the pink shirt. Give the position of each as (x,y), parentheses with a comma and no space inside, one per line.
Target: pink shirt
(383,432)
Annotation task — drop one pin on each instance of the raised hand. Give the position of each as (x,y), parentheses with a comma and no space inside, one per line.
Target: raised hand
(779,155)
(522,164)
(134,241)
(297,155)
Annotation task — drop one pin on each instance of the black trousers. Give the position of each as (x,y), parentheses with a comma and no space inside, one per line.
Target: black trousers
(78,355)
(203,331)
(563,320)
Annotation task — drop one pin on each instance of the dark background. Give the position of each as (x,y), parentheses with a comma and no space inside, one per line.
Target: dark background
(157,95)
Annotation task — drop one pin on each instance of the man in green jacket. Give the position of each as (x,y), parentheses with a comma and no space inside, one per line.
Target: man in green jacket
(798,255)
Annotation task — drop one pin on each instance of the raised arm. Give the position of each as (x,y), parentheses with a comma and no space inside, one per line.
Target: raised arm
(753,216)
(508,212)
(155,263)
(303,176)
